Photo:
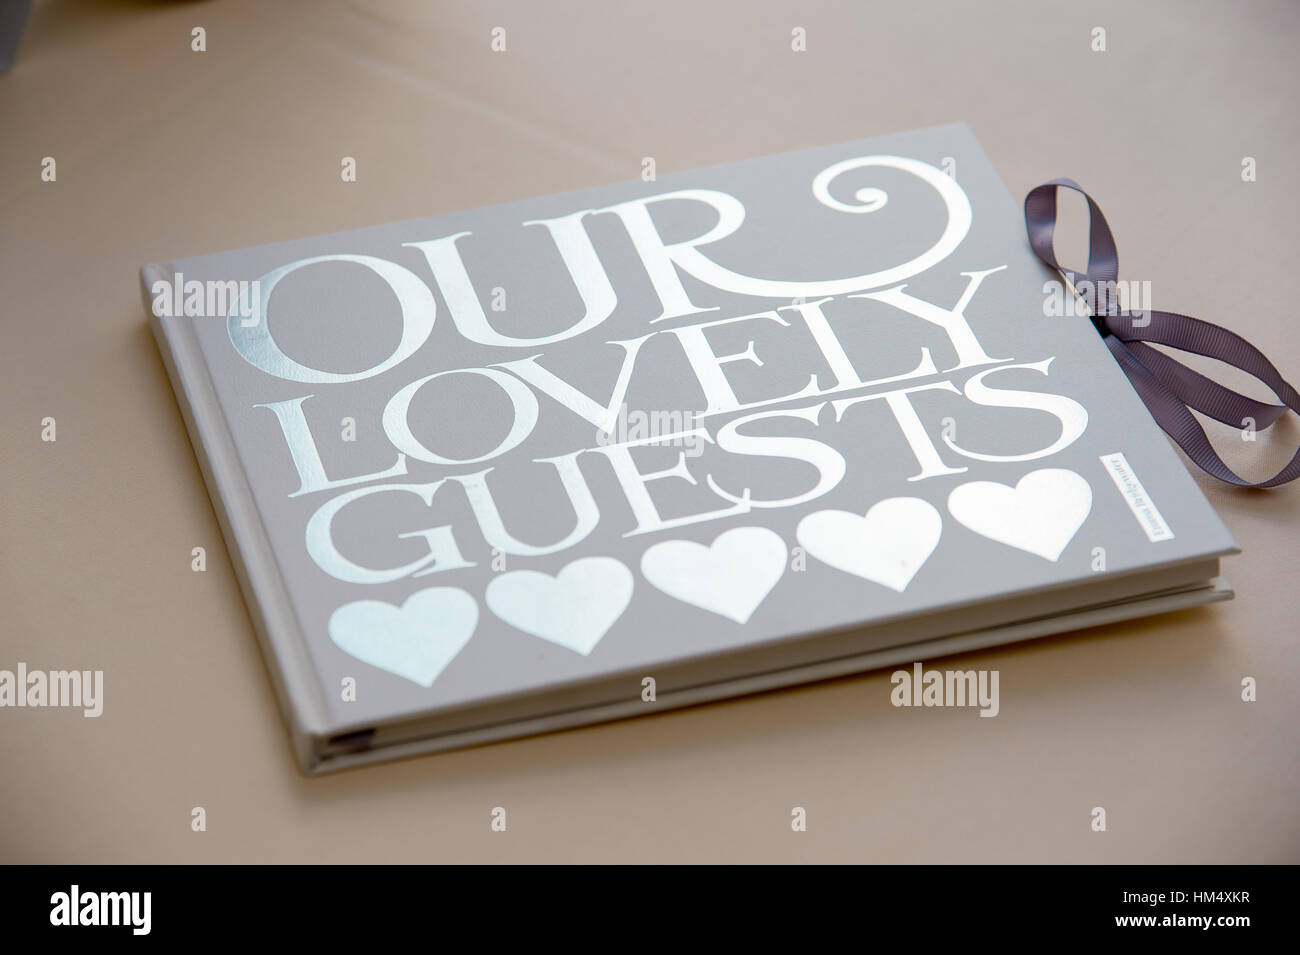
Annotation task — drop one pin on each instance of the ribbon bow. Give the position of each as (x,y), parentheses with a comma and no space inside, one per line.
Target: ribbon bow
(1169,389)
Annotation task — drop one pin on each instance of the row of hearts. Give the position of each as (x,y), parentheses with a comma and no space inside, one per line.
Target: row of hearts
(731,577)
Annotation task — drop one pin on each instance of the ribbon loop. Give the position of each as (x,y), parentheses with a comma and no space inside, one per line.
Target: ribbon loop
(1169,389)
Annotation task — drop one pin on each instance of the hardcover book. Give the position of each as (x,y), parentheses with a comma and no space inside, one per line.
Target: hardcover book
(640,446)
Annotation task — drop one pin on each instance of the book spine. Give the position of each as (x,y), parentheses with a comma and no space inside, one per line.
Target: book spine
(265,595)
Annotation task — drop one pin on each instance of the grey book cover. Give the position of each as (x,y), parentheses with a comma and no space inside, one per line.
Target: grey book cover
(702,434)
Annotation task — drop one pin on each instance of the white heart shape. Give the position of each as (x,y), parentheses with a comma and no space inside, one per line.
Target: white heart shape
(1041,514)
(888,545)
(416,640)
(575,608)
(731,577)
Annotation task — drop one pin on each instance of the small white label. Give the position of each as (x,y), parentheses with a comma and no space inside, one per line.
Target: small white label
(1143,508)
